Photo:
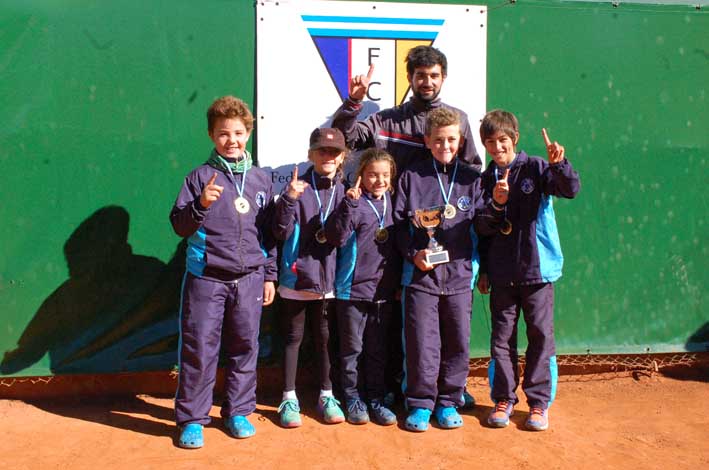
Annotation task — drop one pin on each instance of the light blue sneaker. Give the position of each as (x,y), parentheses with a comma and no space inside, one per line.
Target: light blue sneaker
(330,410)
(448,417)
(239,427)
(191,436)
(418,419)
(289,412)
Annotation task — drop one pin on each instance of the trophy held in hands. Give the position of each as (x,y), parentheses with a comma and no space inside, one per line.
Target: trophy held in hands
(430,219)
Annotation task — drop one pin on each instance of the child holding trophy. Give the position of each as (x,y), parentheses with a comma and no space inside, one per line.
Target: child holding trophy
(438,202)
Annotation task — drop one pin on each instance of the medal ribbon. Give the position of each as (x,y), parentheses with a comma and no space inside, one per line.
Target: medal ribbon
(243,176)
(440,183)
(380,219)
(323,218)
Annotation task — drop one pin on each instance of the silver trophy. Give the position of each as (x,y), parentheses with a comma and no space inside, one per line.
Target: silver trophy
(430,219)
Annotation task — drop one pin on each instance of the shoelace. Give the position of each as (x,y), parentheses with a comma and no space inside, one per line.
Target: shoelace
(536,411)
(292,405)
(356,406)
(501,406)
(328,402)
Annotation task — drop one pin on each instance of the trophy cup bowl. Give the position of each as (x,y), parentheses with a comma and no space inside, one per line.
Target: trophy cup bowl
(430,219)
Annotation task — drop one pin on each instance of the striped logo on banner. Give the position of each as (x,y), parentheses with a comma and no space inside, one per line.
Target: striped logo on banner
(348,44)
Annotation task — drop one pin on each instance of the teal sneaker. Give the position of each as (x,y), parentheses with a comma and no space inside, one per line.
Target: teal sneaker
(538,419)
(330,410)
(289,412)
(448,417)
(191,436)
(418,419)
(239,427)
(499,417)
(357,412)
(381,414)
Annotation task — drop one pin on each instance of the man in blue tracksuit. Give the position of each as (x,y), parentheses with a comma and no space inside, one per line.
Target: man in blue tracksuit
(223,209)
(521,262)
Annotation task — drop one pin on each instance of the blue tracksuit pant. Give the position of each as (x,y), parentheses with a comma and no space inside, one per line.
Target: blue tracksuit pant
(363,328)
(540,372)
(209,312)
(437,343)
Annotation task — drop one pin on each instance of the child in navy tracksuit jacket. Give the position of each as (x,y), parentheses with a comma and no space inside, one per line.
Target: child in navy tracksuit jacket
(368,272)
(437,298)
(307,274)
(231,268)
(521,262)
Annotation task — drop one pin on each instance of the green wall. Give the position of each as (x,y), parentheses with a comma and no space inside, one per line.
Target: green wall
(103,114)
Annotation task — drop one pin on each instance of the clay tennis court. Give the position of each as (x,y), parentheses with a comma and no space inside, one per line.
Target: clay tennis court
(601,421)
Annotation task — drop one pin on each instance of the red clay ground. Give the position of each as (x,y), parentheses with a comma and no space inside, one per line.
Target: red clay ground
(612,421)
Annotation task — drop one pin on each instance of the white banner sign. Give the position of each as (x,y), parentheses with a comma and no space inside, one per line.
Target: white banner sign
(308,50)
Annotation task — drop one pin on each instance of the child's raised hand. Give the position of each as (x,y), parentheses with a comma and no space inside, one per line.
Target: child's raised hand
(501,191)
(296,186)
(211,192)
(554,151)
(355,192)
(359,84)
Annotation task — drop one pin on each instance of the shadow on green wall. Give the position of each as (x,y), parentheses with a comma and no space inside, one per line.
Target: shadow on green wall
(116,312)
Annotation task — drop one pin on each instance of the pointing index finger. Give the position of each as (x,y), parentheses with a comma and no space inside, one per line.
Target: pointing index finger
(371,71)
(547,142)
(214,178)
(295,173)
(507,173)
(357,183)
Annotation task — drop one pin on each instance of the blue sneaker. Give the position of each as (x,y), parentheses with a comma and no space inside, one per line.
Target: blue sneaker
(468,400)
(357,412)
(330,410)
(418,419)
(538,419)
(448,417)
(381,414)
(289,412)
(239,427)
(500,415)
(191,436)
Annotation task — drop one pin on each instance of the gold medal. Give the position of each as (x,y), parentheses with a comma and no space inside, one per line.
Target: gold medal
(381,235)
(506,228)
(449,211)
(320,236)
(242,205)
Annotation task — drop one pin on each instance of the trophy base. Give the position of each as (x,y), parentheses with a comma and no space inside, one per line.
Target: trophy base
(438,257)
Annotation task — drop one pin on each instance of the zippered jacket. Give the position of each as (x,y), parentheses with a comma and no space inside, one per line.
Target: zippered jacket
(531,253)
(367,269)
(222,244)
(399,131)
(419,189)
(307,264)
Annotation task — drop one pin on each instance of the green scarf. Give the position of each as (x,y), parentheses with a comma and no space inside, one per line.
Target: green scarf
(220,163)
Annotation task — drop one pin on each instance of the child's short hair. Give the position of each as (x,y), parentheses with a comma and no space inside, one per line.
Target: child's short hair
(441,117)
(374,154)
(425,56)
(499,120)
(229,107)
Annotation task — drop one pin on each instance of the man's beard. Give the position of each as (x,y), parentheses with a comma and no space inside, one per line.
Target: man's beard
(427,99)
